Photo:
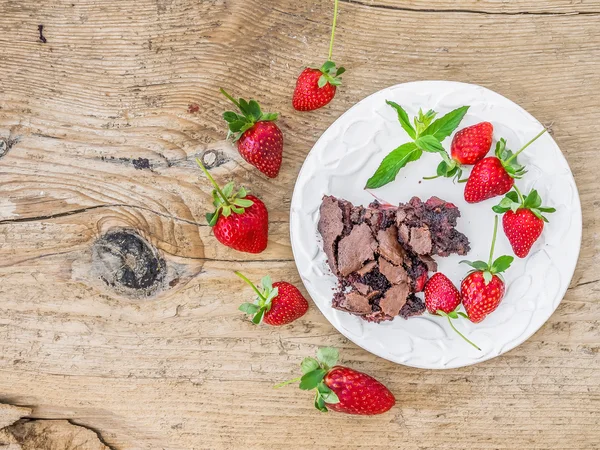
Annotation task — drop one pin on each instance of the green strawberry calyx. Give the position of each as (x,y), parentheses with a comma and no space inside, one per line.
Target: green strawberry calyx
(249,114)
(490,268)
(514,201)
(330,74)
(455,315)
(264,298)
(225,200)
(509,159)
(314,371)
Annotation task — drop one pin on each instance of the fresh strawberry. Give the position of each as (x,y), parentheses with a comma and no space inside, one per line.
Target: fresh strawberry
(259,140)
(240,221)
(342,389)
(471,144)
(276,304)
(482,289)
(523,221)
(316,87)
(495,175)
(443,299)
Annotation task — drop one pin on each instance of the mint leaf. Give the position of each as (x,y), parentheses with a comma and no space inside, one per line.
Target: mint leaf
(422,121)
(430,144)
(403,118)
(328,356)
(249,308)
(312,379)
(392,163)
(444,126)
(501,264)
(308,365)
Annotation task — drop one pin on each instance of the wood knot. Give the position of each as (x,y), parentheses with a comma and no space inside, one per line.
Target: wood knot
(128,263)
(213,158)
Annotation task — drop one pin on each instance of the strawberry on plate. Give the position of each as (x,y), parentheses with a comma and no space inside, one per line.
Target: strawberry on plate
(259,139)
(276,304)
(240,221)
(315,88)
(482,289)
(340,388)
(443,299)
(495,175)
(523,221)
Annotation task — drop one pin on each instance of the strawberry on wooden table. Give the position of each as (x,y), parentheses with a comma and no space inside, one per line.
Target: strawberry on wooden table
(276,303)
(495,175)
(523,219)
(240,221)
(259,139)
(315,88)
(443,299)
(340,388)
(482,289)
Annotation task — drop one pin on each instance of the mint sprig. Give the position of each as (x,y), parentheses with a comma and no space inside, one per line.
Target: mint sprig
(514,201)
(250,113)
(490,268)
(264,299)
(427,135)
(314,371)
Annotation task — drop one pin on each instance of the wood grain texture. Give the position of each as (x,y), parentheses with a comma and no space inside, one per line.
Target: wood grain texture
(96,137)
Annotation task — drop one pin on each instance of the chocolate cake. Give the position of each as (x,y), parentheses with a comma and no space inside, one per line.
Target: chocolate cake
(382,254)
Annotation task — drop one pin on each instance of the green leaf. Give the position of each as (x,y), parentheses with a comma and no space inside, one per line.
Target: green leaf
(236,126)
(327,394)
(392,163)
(242,192)
(270,295)
(335,82)
(244,203)
(237,210)
(255,110)
(513,196)
(442,169)
(269,117)
(487,277)
(501,152)
(501,264)
(230,116)
(312,379)
(228,189)
(258,316)
(320,403)
(499,209)
(267,283)
(403,118)
(444,126)
(430,144)
(547,210)
(463,315)
(212,218)
(533,200)
(340,71)
(322,81)
(422,121)
(453,315)
(328,356)
(478,265)
(327,66)
(308,365)
(506,203)
(249,308)
(245,107)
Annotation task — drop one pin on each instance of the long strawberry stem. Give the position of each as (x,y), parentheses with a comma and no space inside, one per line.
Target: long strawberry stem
(460,334)
(233,100)
(521,200)
(493,241)
(525,146)
(251,284)
(214,183)
(335,14)
(285,383)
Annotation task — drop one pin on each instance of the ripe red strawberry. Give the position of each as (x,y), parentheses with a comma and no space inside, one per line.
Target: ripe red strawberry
(482,289)
(495,175)
(443,299)
(316,87)
(471,144)
(277,303)
(259,140)
(342,389)
(523,221)
(240,221)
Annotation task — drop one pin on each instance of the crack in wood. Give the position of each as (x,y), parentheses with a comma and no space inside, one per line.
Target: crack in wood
(471,11)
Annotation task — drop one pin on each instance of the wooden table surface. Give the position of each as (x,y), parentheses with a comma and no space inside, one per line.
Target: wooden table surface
(98,138)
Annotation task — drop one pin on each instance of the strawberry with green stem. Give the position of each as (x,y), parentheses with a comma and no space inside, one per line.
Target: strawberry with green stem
(483,288)
(495,175)
(340,388)
(523,219)
(240,221)
(315,88)
(259,139)
(276,303)
(427,135)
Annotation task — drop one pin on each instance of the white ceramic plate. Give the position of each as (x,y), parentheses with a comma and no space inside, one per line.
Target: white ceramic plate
(348,153)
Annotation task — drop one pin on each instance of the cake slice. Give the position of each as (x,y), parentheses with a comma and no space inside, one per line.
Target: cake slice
(382,254)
